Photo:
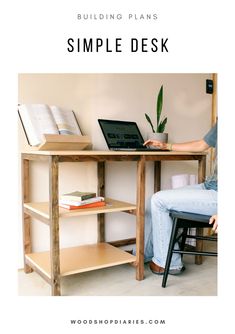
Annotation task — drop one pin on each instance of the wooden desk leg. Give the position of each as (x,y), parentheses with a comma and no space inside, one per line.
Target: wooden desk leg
(26,219)
(54,226)
(101,192)
(140,214)
(157,176)
(201,178)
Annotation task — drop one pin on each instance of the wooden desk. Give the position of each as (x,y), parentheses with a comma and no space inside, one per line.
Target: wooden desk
(58,262)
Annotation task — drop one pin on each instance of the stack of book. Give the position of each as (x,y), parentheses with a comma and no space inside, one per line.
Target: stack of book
(80,200)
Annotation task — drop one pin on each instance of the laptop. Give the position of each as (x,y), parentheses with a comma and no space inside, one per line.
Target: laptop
(123,136)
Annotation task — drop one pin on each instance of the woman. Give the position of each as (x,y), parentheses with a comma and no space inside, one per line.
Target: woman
(200,198)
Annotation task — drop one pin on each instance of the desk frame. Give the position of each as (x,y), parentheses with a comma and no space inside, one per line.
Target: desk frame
(53,158)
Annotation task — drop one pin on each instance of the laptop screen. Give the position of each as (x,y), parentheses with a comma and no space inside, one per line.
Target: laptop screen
(121,134)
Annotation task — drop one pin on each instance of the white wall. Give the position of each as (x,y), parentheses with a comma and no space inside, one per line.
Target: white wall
(112,96)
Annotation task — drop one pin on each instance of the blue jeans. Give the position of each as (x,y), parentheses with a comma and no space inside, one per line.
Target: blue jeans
(158,223)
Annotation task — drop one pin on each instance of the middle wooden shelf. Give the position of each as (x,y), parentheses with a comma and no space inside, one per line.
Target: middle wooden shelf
(40,210)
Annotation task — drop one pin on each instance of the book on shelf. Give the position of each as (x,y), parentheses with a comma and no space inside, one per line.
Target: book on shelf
(83,206)
(78,196)
(40,119)
(79,203)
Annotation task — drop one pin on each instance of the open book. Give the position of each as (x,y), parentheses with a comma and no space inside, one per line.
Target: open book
(40,119)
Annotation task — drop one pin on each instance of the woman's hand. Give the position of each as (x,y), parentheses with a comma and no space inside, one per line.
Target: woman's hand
(156,143)
(214,220)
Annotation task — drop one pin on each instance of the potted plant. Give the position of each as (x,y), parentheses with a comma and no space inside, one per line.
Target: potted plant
(158,132)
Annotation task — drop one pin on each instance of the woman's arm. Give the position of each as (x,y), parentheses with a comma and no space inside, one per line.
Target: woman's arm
(193,146)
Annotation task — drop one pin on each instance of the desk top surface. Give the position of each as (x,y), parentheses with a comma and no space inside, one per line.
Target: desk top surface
(112,153)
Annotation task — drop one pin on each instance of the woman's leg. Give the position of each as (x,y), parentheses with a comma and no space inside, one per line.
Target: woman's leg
(194,199)
(148,233)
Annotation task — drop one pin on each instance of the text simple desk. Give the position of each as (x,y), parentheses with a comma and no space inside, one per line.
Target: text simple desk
(58,262)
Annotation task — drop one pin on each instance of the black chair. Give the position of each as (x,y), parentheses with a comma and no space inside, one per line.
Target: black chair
(184,221)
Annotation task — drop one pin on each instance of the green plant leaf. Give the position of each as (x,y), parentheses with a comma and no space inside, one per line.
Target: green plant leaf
(149,120)
(159,105)
(162,125)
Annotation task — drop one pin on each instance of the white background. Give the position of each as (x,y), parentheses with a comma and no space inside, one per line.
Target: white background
(33,39)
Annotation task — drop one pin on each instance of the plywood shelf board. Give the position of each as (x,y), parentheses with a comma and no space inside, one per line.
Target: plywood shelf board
(42,208)
(81,259)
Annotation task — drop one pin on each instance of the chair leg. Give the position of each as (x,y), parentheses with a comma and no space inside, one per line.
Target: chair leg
(170,251)
(184,237)
(199,246)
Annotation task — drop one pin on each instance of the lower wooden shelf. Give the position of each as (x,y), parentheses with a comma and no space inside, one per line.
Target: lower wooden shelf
(80,259)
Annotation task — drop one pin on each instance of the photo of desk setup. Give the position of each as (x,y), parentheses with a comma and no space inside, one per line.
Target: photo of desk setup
(106,156)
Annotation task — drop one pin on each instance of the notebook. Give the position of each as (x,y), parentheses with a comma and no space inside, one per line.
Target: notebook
(123,136)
